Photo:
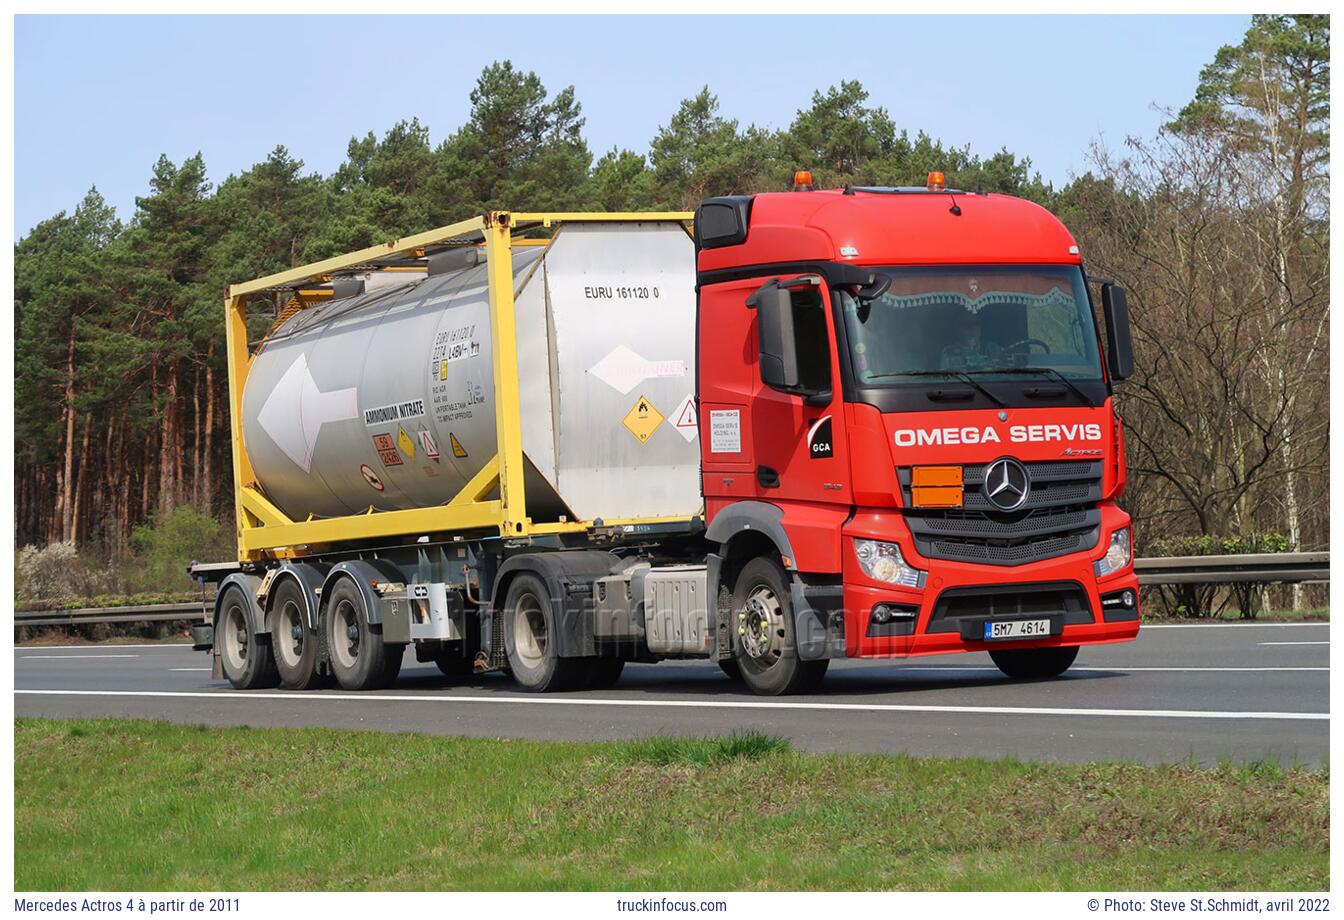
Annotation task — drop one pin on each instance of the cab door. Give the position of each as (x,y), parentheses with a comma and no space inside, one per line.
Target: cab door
(798,426)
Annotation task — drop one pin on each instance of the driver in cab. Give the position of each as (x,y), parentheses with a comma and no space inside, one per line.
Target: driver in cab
(968,350)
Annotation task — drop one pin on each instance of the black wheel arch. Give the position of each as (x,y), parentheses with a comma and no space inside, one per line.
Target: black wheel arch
(568,576)
(249,585)
(365,574)
(310,579)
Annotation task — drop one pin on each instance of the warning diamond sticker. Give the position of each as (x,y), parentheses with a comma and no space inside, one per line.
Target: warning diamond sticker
(684,419)
(405,443)
(642,420)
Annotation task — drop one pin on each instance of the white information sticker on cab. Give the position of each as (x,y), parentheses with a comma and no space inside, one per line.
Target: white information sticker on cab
(725,431)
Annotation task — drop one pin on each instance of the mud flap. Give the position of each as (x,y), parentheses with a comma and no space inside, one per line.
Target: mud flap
(818,620)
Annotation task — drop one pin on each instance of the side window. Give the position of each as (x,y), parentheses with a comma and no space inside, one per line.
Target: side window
(809,332)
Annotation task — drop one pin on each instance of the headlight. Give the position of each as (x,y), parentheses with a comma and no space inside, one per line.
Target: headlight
(1117,555)
(884,562)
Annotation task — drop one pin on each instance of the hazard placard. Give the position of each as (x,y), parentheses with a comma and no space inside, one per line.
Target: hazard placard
(387,450)
(642,420)
(405,443)
(684,419)
(459,451)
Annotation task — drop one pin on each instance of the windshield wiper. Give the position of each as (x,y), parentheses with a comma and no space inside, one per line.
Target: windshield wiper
(1048,371)
(956,375)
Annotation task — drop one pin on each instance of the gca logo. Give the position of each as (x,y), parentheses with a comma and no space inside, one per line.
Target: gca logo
(819,438)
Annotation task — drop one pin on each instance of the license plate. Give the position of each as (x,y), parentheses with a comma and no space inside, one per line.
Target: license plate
(1017,629)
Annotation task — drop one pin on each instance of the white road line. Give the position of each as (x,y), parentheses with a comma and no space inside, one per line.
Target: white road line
(1292,643)
(61,648)
(1097,669)
(1146,626)
(695,704)
(207,670)
(68,657)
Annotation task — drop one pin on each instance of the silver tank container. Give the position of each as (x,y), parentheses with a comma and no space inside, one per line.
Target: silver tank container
(385,400)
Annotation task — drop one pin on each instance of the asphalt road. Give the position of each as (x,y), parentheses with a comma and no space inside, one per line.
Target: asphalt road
(1208,693)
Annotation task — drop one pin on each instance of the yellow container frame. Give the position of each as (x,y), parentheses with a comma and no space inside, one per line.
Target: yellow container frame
(264,531)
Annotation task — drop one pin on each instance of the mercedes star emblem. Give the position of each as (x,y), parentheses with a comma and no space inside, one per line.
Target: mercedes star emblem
(1006,484)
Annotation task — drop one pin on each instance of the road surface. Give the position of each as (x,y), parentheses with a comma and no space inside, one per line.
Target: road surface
(1207,693)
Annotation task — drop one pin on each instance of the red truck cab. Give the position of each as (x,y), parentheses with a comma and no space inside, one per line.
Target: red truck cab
(906,392)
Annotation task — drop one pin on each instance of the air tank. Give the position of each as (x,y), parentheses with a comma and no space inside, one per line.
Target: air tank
(386,399)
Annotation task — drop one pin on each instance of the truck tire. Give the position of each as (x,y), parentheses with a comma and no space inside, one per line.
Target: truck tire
(603,672)
(767,652)
(393,655)
(358,658)
(245,657)
(293,641)
(730,667)
(1034,663)
(529,623)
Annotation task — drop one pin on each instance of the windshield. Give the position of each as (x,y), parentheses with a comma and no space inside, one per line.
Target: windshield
(995,322)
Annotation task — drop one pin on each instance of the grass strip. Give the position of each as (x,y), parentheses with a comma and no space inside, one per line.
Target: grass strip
(137,805)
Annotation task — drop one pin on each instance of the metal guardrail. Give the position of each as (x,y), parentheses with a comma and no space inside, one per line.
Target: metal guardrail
(1167,570)
(1257,567)
(148,613)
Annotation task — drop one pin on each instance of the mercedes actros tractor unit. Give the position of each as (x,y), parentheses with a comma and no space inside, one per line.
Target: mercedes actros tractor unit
(867,422)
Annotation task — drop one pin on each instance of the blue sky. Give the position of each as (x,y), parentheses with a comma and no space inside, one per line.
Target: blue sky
(97,99)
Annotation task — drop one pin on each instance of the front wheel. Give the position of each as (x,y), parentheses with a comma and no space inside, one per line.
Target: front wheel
(767,649)
(1034,663)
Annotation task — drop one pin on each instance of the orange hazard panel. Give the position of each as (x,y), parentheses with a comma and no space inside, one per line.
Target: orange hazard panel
(936,486)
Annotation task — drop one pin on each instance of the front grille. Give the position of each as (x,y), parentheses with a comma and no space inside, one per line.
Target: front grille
(1060,516)
(1043,599)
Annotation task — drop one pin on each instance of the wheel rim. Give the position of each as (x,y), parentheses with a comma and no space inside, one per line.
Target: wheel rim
(289,635)
(529,630)
(761,626)
(236,638)
(345,635)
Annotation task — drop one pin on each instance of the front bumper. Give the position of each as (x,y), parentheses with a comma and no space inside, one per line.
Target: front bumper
(957,597)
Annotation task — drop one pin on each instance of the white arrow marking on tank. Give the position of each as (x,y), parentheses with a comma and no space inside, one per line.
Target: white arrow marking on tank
(623,369)
(296,410)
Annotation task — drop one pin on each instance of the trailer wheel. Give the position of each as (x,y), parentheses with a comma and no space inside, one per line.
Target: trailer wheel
(1034,663)
(357,654)
(529,624)
(292,639)
(245,657)
(731,668)
(767,651)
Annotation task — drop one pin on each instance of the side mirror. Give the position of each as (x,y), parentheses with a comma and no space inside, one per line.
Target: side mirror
(773,304)
(1119,349)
